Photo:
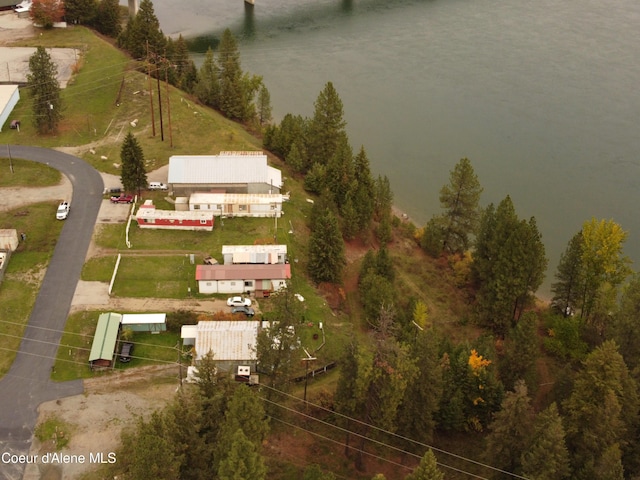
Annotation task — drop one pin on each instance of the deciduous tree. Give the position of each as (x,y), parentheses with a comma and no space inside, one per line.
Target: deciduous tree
(46,12)
(45,91)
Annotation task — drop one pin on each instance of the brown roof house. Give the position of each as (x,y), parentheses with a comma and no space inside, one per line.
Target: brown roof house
(242,278)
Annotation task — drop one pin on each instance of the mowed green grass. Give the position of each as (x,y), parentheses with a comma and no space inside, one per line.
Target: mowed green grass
(23,173)
(155,277)
(24,272)
(72,360)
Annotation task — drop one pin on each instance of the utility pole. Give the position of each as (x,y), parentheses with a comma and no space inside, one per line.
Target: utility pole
(306,372)
(153,120)
(166,81)
(159,102)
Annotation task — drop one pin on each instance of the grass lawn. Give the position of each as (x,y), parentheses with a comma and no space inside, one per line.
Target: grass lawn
(155,277)
(24,272)
(72,360)
(27,174)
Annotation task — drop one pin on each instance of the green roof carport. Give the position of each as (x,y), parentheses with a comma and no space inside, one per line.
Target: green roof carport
(104,340)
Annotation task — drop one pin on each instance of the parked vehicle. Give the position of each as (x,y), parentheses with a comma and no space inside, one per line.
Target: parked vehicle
(63,211)
(157,186)
(125,353)
(122,199)
(239,302)
(248,311)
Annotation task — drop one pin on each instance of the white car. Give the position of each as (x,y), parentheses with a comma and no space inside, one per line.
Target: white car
(63,211)
(239,302)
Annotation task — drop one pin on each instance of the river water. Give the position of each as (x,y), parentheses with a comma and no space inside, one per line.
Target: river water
(543,97)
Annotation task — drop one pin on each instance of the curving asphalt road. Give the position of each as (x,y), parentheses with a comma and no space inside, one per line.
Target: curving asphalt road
(27,384)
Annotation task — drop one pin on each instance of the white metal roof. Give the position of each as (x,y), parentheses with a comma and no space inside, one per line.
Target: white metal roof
(226,168)
(230,249)
(235,198)
(227,340)
(144,212)
(143,318)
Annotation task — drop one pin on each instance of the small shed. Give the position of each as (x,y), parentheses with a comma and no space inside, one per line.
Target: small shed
(9,96)
(145,322)
(104,340)
(8,239)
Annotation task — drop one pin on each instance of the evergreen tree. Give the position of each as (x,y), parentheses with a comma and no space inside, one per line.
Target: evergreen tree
(314,472)
(511,430)
(45,91)
(295,158)
(232,96)
(508,266)
(626,326)
(207,87)
(416,415)
(427,470)
(151,451)
(520,351)
(460,200)
(383,198)
(327,127)
(364,190)
(184,70)
(142,32)
(566,289)
(546,457)
(277,348)
(108,11)
(601,412)
(133,174)
(433,236)
(81,12)
(340,173)
(242,461)
(264,105)
(326,248)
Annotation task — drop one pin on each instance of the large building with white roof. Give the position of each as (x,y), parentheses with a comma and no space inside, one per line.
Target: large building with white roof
(228,172)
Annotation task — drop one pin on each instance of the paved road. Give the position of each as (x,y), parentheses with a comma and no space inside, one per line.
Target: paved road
(27,384)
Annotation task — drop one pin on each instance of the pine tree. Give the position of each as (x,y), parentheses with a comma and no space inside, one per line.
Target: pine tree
(207,87)
(81,12)
(547,456)
(601,411)
(511,430)
(508,265)
(340,173)
(183,67)
(45,91)
(133,174)
(427,470)
(520,351)
(566,289)
(625,329)
(242,461)
(264,105)
(326,248)
(232,96)
(108,11)
(460,200)
(364,190)
(142,33)
(327,127)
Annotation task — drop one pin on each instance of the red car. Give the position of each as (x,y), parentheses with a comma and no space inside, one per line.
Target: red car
(122,199)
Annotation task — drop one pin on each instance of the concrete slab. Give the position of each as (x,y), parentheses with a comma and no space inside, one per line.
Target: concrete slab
(14,63)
